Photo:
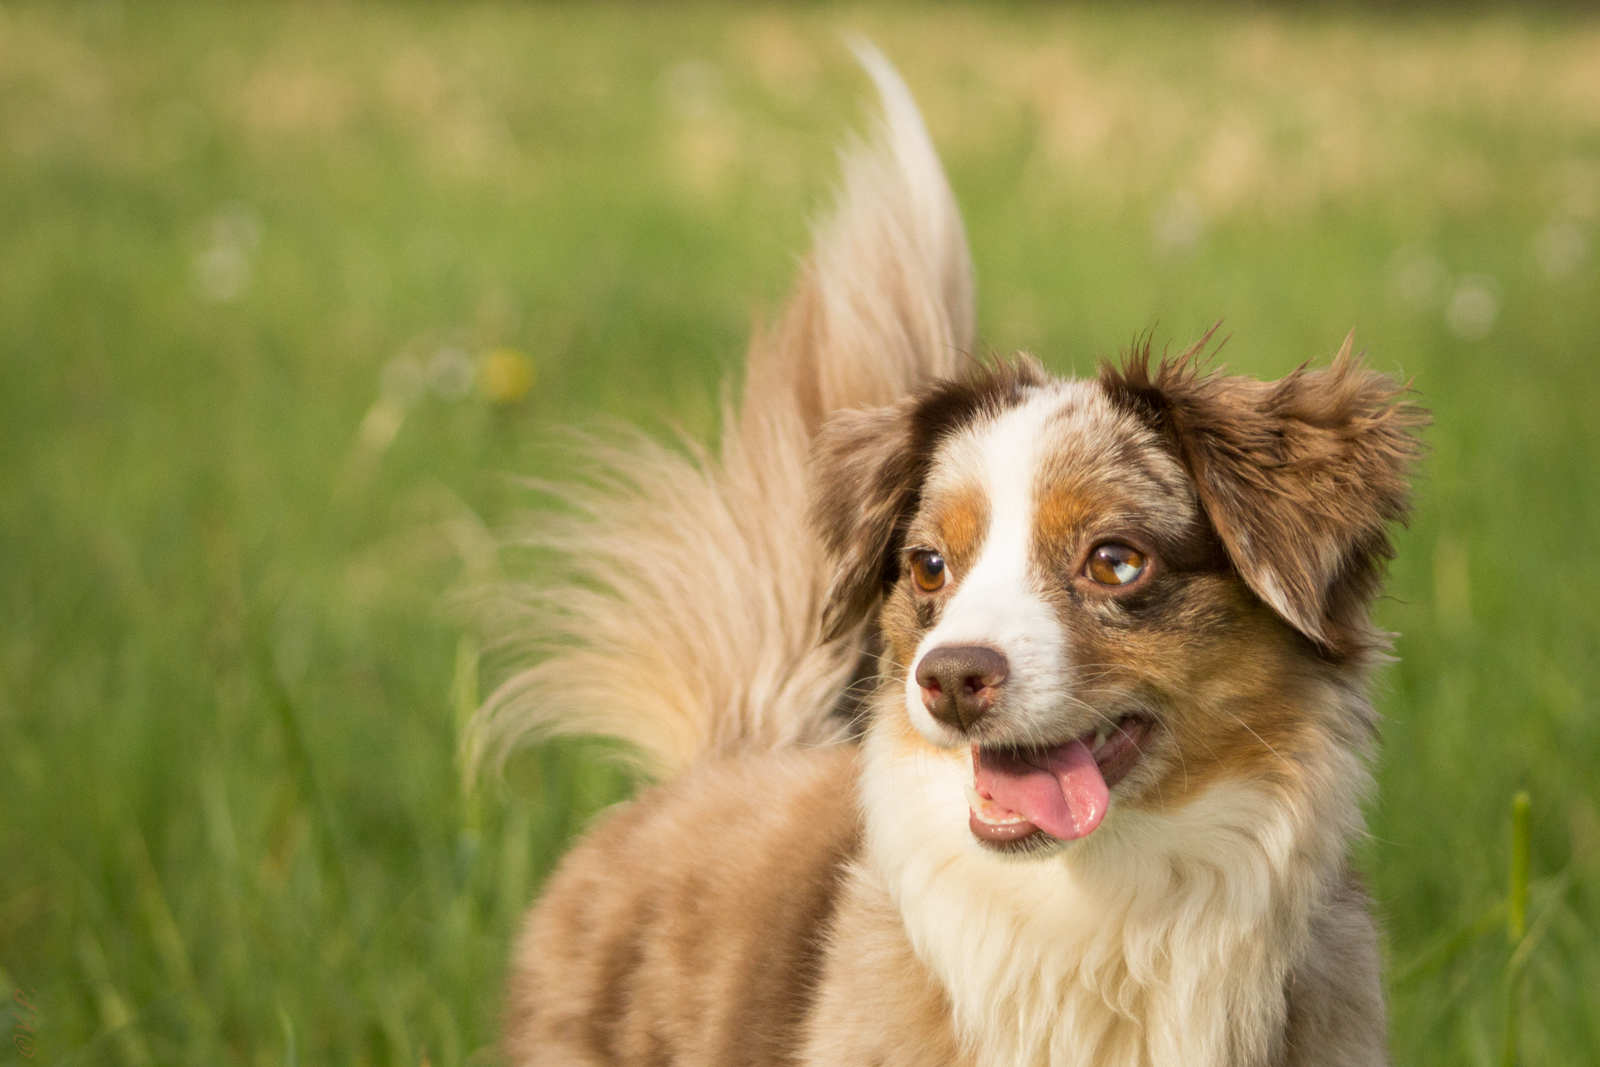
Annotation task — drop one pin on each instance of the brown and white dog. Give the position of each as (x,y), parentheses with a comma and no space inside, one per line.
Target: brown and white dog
(1002,719)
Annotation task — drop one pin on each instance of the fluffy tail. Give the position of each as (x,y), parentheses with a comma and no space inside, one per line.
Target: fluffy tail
(687,620)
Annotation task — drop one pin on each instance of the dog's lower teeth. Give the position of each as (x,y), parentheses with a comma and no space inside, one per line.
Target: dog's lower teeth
(1100,738)
(984,810)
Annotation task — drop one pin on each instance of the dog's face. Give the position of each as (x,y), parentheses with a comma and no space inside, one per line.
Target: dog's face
(1110,592)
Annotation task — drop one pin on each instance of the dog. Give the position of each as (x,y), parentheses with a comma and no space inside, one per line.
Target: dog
(997,718)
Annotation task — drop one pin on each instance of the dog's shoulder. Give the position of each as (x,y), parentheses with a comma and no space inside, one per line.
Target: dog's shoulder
(1334,996)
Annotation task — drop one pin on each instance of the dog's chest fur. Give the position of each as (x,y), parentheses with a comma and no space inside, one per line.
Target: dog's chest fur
(1171,944)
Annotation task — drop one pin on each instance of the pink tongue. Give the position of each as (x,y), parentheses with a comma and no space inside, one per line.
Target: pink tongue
(1059,790)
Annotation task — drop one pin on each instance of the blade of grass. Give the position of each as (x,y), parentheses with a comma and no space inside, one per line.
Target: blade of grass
(1449,946)
(1516,920)
(289,1058)
(1521,843)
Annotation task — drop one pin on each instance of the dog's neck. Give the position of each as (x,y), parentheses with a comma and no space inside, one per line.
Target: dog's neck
(1163,938)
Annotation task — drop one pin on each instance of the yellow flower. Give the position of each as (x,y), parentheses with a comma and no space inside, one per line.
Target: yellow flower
(505,375)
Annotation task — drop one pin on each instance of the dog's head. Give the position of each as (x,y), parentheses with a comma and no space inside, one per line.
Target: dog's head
(1114,588)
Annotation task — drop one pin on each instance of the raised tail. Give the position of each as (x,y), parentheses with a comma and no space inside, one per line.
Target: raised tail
(687,620)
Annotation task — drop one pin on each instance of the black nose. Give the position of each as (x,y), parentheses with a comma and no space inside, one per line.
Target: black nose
(960,682)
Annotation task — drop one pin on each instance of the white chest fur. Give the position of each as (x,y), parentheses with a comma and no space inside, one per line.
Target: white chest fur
(1160,940)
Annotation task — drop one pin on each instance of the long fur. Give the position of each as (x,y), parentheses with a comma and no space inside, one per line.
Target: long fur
(687,618)
(1169,939)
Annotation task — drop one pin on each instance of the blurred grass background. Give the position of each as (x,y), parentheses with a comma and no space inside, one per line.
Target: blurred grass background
(253,253)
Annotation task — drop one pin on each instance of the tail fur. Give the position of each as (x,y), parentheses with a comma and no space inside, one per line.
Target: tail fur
(688,618)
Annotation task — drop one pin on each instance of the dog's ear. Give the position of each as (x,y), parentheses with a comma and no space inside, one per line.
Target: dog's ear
(867,470)
(868,466)
(1300,477)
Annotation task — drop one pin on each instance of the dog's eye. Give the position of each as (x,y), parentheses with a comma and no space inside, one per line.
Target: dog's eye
(1114,564)
(928,571)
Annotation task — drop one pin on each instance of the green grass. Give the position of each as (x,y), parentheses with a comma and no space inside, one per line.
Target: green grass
(232,679)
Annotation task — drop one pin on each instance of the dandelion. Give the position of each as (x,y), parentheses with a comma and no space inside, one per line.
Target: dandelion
(450,373)
(1474,307)
(693,89)
(505,375)
(1178,225)
(1561,250)
(222,270)
(1420,279)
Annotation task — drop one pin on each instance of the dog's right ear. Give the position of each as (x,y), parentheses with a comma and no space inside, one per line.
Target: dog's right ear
(866,473)
(868,466)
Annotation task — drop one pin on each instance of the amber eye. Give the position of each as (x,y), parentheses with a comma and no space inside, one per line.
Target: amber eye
(928,571)
(1114,564)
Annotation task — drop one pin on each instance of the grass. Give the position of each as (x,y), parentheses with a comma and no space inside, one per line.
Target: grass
(239,484)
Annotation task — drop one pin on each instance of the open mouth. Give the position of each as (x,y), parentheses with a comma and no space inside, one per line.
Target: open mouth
(1059,790)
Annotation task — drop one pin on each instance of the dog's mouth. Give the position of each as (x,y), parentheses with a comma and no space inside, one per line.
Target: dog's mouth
(1061,791)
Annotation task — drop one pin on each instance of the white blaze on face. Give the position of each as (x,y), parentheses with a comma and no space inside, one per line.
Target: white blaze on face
(997,604)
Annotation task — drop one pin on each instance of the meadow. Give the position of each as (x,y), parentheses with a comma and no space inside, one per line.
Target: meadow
(291,296)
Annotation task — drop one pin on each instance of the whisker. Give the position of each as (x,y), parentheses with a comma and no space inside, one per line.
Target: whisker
(1177,746)
(1263,740)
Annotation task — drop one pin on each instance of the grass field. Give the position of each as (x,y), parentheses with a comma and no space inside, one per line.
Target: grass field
(251,253)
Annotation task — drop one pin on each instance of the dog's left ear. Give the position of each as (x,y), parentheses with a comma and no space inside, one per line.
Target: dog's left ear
(1299,477)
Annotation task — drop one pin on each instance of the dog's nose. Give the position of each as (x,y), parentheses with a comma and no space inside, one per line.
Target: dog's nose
(960,682)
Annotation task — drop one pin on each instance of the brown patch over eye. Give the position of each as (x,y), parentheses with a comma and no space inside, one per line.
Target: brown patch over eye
(1115,564)
(960,518)
(928,571)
